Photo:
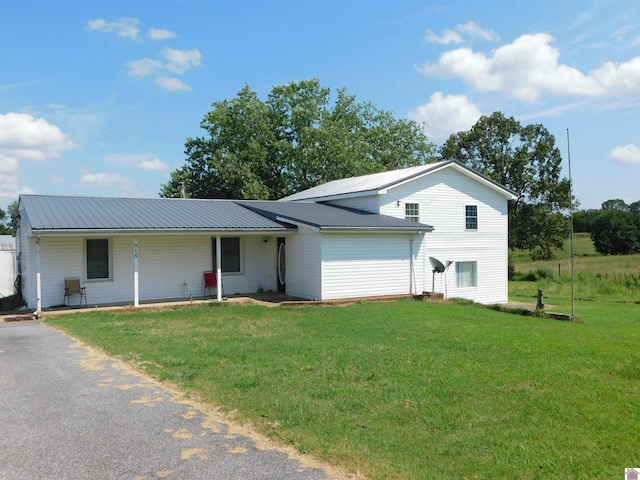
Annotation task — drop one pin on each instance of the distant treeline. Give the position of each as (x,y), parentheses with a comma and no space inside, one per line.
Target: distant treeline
(614,228)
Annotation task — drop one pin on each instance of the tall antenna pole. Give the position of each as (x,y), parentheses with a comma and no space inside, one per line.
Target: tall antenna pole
(573,274)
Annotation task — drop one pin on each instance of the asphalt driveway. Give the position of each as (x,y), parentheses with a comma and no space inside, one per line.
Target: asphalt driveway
(68,412)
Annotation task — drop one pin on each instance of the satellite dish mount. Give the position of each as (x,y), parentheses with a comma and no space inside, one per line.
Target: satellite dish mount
(438,267)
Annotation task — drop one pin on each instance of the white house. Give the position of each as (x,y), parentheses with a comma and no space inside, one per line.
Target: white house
(357,237)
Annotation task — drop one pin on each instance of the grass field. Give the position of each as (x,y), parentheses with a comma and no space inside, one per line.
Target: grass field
(406,389)
(609,278)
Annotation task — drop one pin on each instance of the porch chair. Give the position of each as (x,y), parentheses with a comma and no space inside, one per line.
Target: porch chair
(211,281)
(71,288)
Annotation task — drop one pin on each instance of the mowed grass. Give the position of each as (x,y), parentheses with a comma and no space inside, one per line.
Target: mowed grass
(406,389)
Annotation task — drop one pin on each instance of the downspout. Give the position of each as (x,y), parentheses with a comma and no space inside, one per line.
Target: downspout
(412,270)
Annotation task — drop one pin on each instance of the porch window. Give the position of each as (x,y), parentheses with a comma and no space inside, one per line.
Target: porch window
(98,258)
(471,216)
(412,212)
(231,255)
(466,274)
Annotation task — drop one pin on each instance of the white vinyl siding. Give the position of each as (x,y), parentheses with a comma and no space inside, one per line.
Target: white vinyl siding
(443,196)
(169,267)
(368,265)
(304,265)
(368,203)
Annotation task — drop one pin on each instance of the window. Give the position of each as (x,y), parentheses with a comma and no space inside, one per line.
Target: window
(231,255)
(466,274)
(412,212)
(471,215)
(98,259)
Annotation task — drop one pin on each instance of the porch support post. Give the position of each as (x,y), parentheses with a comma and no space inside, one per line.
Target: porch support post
(218,268)
(136,297)
(38,284)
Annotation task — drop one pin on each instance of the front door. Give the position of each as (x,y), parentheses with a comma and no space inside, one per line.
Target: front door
(281,266)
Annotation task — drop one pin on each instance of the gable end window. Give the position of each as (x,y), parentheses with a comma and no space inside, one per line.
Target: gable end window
(231,254)
(412,212)
(471,217)
(98,258)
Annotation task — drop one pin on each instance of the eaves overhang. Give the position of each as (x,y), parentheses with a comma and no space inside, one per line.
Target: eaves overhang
(159,231)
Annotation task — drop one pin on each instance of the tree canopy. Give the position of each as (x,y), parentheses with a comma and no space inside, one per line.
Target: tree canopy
(8,219)
(302,135)
(614,229)
(526,160)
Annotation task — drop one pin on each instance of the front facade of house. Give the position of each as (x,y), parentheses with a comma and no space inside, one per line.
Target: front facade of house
(370,242)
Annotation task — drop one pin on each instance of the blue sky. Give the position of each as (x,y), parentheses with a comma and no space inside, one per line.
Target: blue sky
(98,97)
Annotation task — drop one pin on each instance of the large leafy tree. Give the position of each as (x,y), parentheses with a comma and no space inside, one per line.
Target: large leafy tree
(526,160)
(615,232)
(302,135)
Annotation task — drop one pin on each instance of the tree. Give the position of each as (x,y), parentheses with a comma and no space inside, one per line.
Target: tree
(615,232)
(8,219)
(296,139)
(615,204)
(525,160)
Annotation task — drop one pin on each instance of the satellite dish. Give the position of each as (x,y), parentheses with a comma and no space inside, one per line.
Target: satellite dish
(437,265)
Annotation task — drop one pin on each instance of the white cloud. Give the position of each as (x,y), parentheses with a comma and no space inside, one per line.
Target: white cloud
(160,34)
(156,165)
(27,138)
(9,181)
(181,61)
(141,161)
(102,180)
(449,36)
(474,30)
(144,67)
(445,115)
(172,84)
(177,61)
(122,27)
(529,68)
(470,29)
(627,153)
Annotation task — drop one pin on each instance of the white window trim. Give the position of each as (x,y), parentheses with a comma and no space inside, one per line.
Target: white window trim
(475,285)
(110,250)
(412,218)
(241,246)
(466,217)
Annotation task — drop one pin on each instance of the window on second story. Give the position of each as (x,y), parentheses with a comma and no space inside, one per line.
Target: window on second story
(412,212)
(471,217)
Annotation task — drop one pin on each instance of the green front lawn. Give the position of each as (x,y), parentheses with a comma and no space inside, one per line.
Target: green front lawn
(405,389)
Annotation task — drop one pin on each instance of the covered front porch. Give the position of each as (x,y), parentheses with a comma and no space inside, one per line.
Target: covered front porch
(156,268)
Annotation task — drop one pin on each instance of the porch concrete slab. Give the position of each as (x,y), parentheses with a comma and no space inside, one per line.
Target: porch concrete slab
(68,411)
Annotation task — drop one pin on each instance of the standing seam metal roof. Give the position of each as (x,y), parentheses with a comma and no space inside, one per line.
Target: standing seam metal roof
(330,216)
(92,213)
(364,183)
(52,213)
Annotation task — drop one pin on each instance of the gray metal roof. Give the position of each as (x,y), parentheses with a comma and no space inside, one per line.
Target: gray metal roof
(59,214)
(380,181)
(49,213)
(328,217)
(364,183)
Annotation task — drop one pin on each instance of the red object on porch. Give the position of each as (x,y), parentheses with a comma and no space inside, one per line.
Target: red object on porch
(210,281)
